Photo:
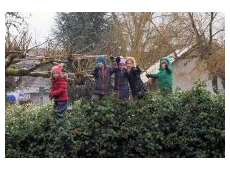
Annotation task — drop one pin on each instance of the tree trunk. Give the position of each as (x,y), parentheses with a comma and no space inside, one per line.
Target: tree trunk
(214,84)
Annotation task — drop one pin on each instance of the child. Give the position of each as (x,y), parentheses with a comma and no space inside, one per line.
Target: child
(102,74)
(121,79)
(135,82)
(59,91)
(164,75)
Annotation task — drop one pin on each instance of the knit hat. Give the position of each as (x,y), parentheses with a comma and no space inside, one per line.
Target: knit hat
(58,68)
(100,59)
(120,60)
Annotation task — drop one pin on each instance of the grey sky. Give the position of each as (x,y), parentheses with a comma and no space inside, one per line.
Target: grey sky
(40,25)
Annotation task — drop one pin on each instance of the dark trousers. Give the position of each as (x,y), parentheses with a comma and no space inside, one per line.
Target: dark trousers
(60,108)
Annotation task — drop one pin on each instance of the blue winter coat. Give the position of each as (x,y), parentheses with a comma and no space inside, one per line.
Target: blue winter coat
(102,83)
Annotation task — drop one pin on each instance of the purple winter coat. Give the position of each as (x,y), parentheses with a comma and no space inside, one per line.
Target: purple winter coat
(121,84)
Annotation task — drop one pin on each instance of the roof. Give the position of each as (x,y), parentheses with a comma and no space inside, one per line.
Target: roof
(154,68)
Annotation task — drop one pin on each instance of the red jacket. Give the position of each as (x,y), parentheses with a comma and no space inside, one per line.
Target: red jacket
(59,90)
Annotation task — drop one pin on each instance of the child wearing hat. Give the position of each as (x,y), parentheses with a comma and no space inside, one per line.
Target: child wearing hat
(121,87)
(164,76)
(135,82)
(102,74)
(59,90)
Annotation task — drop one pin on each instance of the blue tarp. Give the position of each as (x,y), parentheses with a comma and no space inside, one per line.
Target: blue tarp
(11,98)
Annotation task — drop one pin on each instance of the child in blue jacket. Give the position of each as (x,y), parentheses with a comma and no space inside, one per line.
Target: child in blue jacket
(102,74)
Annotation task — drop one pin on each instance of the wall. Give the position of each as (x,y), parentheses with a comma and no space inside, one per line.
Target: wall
(187,71)
(39,99)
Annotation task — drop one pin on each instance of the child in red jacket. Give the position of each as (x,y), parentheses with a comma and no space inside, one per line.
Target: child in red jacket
(59,90)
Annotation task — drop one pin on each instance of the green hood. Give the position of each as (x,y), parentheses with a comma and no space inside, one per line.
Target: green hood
(164,77)
(168,59)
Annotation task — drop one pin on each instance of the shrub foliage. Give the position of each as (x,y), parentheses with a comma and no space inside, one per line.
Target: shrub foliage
(182,124)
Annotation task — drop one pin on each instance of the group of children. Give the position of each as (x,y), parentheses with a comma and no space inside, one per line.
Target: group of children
(127,77)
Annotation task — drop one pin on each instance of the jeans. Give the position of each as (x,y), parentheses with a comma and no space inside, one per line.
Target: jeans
(60,108)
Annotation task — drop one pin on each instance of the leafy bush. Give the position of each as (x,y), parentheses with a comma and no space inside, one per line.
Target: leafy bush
(183,124)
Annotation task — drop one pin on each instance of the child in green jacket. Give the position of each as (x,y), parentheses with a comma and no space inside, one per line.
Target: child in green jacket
(164,76)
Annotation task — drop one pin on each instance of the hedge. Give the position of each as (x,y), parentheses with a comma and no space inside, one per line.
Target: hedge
(182,124)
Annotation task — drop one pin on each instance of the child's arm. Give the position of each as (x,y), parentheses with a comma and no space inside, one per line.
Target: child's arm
(114,66)
(137,70)
(58,92)
(97,67)
(62,86)
(126,73)
(152,75)
(95,72)
(113,70)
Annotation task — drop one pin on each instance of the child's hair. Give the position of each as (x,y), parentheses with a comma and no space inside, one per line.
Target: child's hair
(131,59)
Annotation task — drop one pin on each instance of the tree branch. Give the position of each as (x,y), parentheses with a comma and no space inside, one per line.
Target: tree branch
(164,39)
(8,63)
(38,45)
(14,72)
(210,29)
(194,26)
(44,74)
(218,32)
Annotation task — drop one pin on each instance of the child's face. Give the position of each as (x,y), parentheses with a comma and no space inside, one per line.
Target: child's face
(163,65)
(55,74)
(122,66)
(129,64)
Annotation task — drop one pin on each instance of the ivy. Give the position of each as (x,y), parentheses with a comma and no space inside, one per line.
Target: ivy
(183,124)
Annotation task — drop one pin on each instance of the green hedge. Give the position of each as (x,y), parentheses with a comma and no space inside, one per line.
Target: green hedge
(183,124)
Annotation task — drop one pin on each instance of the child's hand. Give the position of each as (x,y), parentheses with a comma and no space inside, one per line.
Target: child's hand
(166,66)
(148,75)
(99,65)
(118,59)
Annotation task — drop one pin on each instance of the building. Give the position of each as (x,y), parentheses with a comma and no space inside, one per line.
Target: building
(35,89)
(188,69)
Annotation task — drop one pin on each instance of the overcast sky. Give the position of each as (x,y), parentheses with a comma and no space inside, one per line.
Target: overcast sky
(40,25)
